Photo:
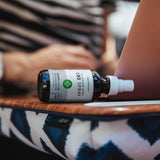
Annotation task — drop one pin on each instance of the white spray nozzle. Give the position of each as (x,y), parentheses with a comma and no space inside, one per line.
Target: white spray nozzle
(119,85)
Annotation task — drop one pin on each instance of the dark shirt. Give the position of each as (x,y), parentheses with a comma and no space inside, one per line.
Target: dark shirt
(28,25)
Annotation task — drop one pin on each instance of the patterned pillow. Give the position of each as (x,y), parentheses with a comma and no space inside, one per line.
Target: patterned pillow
(84,137)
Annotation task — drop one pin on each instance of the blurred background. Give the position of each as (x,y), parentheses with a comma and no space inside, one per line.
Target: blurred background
(120,22)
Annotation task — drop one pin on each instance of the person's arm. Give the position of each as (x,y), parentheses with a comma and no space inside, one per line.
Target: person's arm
(140,59)
(24,68)
(110,58)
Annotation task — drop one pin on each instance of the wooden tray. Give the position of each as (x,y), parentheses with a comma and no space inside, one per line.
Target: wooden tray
(77,108)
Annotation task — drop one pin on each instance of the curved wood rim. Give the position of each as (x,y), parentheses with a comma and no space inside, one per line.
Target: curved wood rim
(78,108)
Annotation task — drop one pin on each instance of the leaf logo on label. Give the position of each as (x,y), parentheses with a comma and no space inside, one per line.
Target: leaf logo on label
(67,83)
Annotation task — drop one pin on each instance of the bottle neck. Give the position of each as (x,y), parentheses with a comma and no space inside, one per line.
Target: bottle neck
(105,86)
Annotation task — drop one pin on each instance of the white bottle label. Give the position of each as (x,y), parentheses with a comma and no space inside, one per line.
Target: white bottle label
(71,85)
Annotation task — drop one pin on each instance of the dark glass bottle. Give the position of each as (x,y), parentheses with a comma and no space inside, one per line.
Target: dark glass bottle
(100,85)
(43,85)
(77,85)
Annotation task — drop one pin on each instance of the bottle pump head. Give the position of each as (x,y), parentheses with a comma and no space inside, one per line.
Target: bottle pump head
(119,85)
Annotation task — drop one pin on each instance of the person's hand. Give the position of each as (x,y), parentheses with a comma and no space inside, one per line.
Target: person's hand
(25,67)
(65,57)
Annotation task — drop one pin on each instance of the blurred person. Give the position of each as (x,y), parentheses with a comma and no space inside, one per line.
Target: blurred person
(56,34)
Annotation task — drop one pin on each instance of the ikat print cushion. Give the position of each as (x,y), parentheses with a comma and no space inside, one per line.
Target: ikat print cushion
(84,137)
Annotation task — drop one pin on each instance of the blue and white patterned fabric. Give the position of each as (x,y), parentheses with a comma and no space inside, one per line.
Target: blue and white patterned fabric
(85,137)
